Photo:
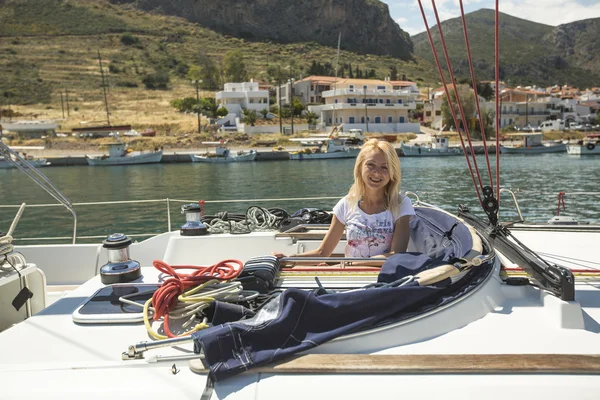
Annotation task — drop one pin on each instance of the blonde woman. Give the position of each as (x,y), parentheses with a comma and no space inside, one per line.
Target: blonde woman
(376,216)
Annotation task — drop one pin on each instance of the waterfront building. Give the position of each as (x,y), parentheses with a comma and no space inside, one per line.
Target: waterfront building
(239,96)
(367,104)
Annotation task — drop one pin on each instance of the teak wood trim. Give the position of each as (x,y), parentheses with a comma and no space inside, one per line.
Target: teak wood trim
(429,364)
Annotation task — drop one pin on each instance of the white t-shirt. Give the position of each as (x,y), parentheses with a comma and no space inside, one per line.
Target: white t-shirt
(369,235)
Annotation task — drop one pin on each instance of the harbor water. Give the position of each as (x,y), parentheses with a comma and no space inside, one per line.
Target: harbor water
(444,181)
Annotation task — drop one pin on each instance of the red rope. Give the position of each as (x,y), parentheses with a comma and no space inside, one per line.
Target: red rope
(165,297)
(458,102)
(497,62)
(481,126)
(561,201)
(450,104)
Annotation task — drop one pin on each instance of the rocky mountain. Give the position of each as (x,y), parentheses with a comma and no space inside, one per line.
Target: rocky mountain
(365,25)
(530,53)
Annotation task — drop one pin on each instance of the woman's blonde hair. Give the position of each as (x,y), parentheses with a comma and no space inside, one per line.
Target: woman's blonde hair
(392,190)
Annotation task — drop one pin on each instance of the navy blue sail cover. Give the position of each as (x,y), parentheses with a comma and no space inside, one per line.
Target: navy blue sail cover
(298,320)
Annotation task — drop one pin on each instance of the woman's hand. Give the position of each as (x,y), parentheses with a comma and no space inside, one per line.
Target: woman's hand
(278,255)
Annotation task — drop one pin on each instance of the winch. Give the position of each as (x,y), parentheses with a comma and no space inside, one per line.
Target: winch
(120,267)
(193,225)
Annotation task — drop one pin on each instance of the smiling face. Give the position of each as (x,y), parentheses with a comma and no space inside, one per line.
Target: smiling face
(375,170)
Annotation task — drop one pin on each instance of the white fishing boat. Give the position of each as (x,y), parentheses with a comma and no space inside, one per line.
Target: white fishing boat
(588,146)
(120,154)
(222,154)
(35,162)
(531,143)
(335,148)
(12,159)
(438,145)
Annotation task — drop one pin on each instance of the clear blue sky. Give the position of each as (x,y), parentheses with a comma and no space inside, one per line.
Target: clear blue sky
(550,12)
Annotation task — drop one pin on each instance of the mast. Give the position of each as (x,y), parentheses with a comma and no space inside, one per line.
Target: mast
(104,89)
(337,60)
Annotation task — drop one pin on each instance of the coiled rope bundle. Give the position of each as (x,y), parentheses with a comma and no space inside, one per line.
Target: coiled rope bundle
(255,219)
(8,259)
(183,296)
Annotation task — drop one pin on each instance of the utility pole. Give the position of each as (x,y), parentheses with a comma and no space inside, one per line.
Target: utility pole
(366,112)
(279,97)
(291,96)
(67,98)
(62,105)
(198,103)
(104,89)
(526,109)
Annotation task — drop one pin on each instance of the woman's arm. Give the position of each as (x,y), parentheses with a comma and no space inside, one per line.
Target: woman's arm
(331,239)
(401,234)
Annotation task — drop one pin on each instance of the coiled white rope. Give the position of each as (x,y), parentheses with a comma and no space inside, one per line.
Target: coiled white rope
(8,259)
(257,219)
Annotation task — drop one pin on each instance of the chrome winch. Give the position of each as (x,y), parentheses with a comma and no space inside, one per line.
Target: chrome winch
(120,267)
(193,225)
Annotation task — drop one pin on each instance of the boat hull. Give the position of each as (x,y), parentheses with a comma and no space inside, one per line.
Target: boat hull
(583,150)
(350,153)
(418,151)
(34,163)
(223,160)
(142,158)
(557,148)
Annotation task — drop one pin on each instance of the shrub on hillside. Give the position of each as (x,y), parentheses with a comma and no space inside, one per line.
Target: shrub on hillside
(128,39)
(158,80)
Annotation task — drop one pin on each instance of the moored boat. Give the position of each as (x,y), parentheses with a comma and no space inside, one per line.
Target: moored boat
(438,145)
(531,143)
(34,162)
(588,146)
(335,148)
(120,154)
(222,154)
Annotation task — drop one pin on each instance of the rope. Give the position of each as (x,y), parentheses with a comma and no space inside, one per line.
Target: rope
(255,219)
(15,261)
(185,295)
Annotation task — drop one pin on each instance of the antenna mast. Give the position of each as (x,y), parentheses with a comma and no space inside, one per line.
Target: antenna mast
(104,89)
(337,59)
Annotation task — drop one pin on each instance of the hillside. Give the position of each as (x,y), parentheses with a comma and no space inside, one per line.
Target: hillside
(365,25)
(530,53)
(51,44)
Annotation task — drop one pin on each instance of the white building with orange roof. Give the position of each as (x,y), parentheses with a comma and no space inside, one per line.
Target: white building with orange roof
(308,90)
(368,104)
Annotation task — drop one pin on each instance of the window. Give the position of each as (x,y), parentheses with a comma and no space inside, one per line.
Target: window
(401,120)
(329,119)
(350,120)
(312,99)
(377,120)
(390,119)
(387,101)
(428,113)
(351,88)
(362,120)
(381,88)
(438,112)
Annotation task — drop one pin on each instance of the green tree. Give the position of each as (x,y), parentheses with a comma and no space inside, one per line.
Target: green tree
(235,69)
(487,116)
(249,116)
(222,111)
(210,74)
(297,107)
(265,113)
(393,73)
(208,105)
(311,118)
(467,100)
